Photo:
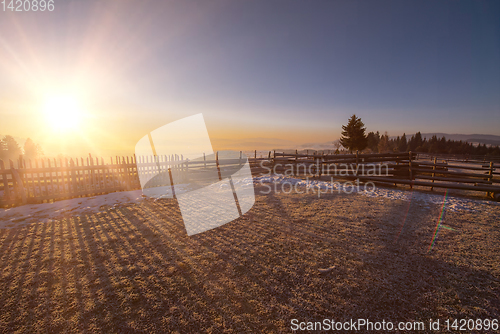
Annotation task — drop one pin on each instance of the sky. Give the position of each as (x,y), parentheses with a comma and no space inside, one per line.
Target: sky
(262,73)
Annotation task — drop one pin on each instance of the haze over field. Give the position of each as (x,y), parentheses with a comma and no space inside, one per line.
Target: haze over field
(96,76)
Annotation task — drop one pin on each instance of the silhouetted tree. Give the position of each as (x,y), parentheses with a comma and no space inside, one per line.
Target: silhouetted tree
(383,145)
(415,142)
(403,144)
(3,150)
(32,150)
(437,145)
(372,140)
(353,134)
(11,149)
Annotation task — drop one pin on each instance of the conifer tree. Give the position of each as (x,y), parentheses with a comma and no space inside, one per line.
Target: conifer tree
(353,135)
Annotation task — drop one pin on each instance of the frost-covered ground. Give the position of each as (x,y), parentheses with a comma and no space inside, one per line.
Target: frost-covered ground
(46,212)
(453,203)
(77,206)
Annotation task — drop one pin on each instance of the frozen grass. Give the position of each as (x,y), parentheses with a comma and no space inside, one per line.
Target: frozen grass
(457,200)
(132,268)
(27,214)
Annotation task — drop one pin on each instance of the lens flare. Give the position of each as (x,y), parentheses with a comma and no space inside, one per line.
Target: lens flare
(440,220)
(406,216)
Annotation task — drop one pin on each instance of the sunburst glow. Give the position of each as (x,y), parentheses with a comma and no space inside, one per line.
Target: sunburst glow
(62,112)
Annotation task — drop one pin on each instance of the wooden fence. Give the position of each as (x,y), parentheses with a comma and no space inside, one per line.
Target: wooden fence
(42,180)
(38,181)
(480,159)
(51,179)
(395,168)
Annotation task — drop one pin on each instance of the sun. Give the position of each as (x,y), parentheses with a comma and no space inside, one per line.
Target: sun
(62,112)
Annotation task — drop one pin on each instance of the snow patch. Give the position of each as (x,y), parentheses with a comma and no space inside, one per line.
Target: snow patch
(425,199)
(48,212)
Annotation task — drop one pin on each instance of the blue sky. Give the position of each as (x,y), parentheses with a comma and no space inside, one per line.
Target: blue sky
(292,70)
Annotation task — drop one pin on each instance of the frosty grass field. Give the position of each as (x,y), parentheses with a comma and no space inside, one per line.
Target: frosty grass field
(123,263)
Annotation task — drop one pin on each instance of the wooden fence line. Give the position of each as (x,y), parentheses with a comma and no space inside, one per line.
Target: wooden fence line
(41,180)
(401,168)
(27,181)
(51,179)
(480,159)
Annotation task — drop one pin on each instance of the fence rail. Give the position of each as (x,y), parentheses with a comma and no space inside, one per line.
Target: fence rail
(42,180)
(399,168)
(480,159)
(26,181)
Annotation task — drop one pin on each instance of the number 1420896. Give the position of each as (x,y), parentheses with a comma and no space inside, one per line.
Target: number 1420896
(28,5)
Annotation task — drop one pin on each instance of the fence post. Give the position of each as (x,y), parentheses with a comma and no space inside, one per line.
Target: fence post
(73,176)
(490,178)
(19,186)
(397,167)
(125,171)
(52,186)
(318,165)
(29,193)
(296,163)
(357,162)
(24,176)
(16,182)
(217,164)
(93,173)
(171,183)
(83,175)
(274,159)
(186,173)
(434,174)
(135,172)
(5,180)
(409,169)
(269,160)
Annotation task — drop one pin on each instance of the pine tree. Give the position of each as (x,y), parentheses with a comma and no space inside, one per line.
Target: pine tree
(403,144)
(372,141)
(31,150)
(13,150)
(353,135)
(383,145)
(3,150)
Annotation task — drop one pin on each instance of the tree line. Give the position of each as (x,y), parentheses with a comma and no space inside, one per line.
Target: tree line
(353,138)
(10,149)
